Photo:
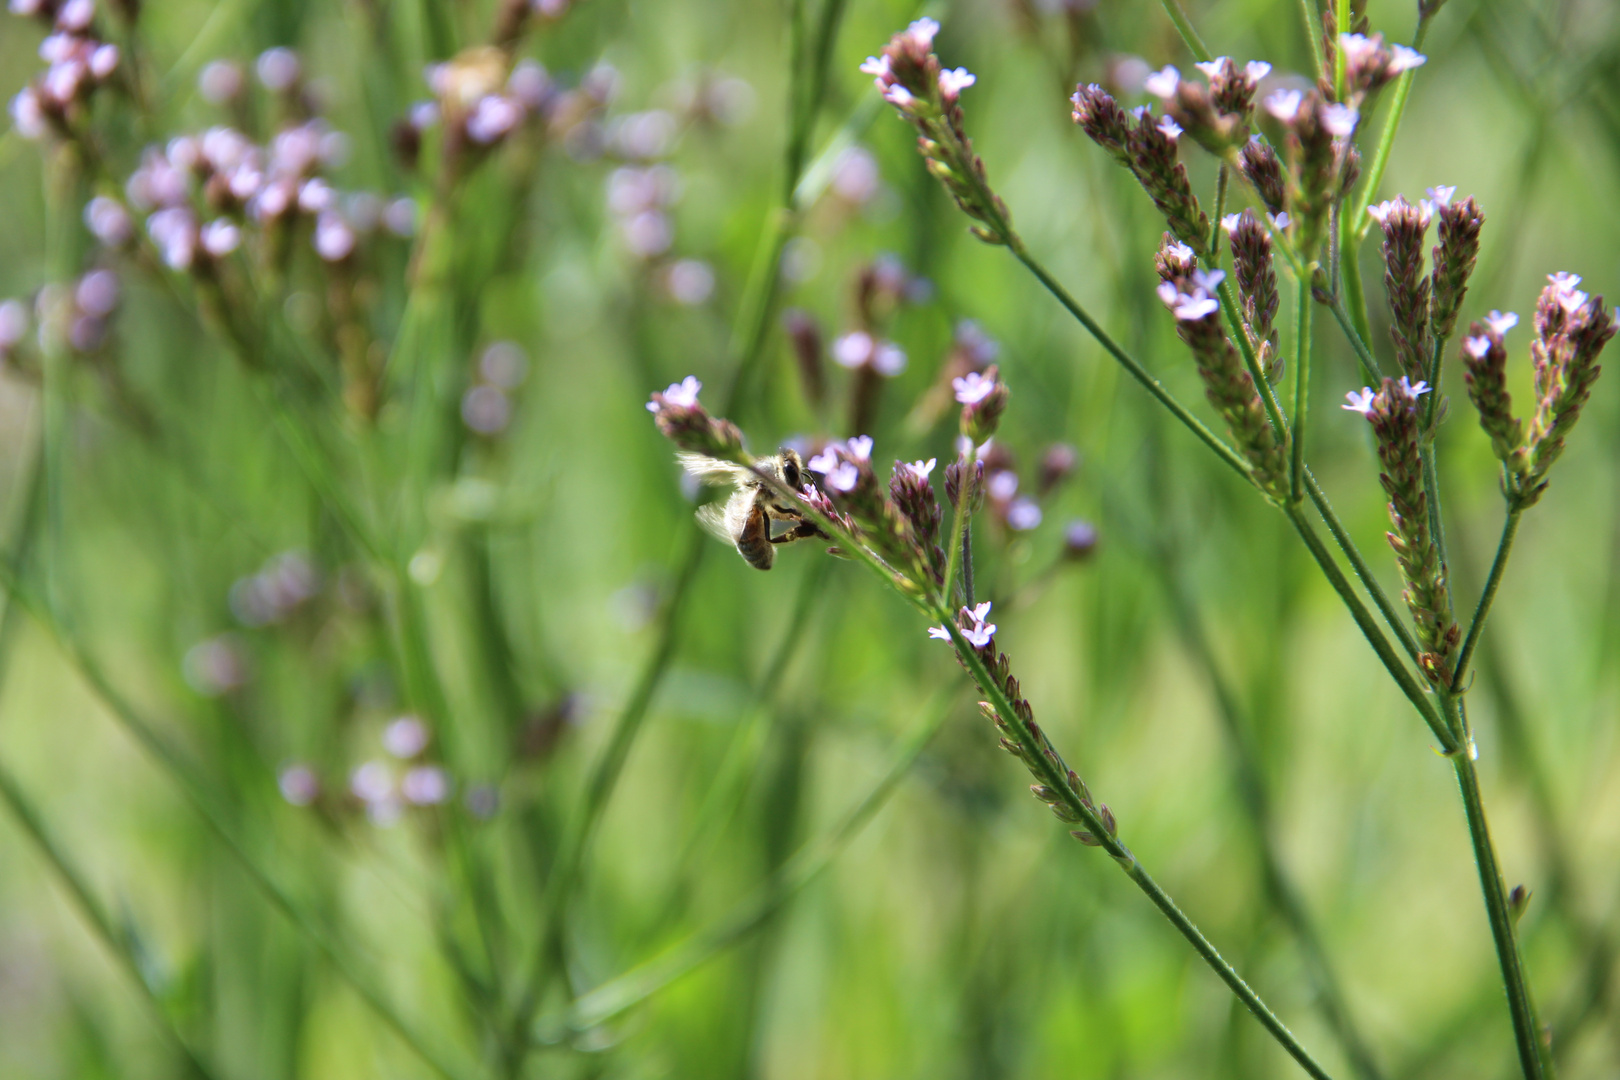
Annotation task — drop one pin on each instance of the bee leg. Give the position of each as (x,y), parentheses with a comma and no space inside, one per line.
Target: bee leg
(804,530)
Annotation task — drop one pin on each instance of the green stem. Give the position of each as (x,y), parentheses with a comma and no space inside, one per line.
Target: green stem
(1313,35)
(1369,580)
(956,550)
(1526,1029)
(1302,389)
(1360,222)
(1251,362)
(1228,455)
(1053,777)
(1341,23)
(1184,27)
(203,802)
(1370,368)
(1408,683)
(1285,895)
(1504,547)
(640,983)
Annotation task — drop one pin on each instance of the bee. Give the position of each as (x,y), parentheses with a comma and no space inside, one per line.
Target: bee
(745,518)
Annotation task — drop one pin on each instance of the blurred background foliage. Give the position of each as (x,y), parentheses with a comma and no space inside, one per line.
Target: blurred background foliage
(261,890)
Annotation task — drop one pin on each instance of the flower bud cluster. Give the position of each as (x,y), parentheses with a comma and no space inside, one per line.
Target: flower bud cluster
(78,62)
(1395,412)
(1485,359)
(1369,65)
(1263,169)
(983,397)
(1322,163)
(1405,283)
(1148,147)
(486,407)
(1226,382)
(74,317)
(205,195)
(852,486)
(1453,258)
(1256,275)
(910,78)
(913,495)
(639,199)
(385,787)
(482,99)
(980,636)
(1216,116)
(685,422)
(1571,330)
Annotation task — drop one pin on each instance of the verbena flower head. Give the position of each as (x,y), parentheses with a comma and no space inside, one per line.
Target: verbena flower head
(910,77)
(984,398)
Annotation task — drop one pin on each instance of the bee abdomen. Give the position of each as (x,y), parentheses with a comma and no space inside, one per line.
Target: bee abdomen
(754,541)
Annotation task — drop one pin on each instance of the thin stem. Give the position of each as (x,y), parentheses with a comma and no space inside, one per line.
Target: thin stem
(1302,388)
(1054,778)
(1184,27)
(1341,23)
(204,804)
(1360,221)
(957,549)
(1408,683)
(1228,455)
(967,564)
(1369,580)
(1351,295)
(1256,800)
(642,982)
(1504,547)
(1251,362)
(1526,1030)
(1223,180)
(117,942)
(1313,35)
(1371,370)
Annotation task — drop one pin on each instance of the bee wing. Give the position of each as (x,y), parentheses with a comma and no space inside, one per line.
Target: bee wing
(712,470)
(716,521)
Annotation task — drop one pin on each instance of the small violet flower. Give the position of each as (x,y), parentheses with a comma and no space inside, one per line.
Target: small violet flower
(1360,402)
(683,394)
(952,83)
(973,388)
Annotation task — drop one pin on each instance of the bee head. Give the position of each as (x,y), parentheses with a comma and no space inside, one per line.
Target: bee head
(792,469)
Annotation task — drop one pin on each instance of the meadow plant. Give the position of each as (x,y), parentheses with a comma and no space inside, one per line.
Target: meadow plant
(373,665)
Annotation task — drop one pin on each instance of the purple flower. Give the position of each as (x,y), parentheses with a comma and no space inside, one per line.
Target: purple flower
(980,635)
(1403,58)
(1255,70)
(1441,194)
(1163,83)
(889,359)
(826,461)
(1211,68)
(493,117)
(683,394)
(1209,280)
(1413,391)
(1023,515)
(939,633)
(1501,322)
(920,470)
(1003,485)
(1340,119)
(921,34)
(1564,281)
(1197,306)
(844,477)
(1284,104)
(877,66)
(1169,128)
(979,612)
(859,447)
(973,388)
(853,349)
(952,83)
(1360,402)
(1477,346)
(1229,223)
